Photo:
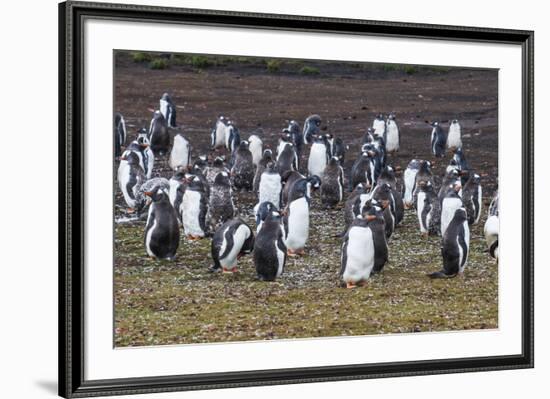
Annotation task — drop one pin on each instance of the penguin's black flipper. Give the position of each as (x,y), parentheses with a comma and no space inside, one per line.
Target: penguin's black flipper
(440,274)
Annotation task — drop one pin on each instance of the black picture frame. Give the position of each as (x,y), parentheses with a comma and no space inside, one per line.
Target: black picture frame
(71,205)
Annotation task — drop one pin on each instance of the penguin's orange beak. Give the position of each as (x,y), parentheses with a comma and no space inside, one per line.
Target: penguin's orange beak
(385,204)
(148,193)
(370,217)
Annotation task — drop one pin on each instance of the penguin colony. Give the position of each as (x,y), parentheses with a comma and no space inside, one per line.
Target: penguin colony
(199,199)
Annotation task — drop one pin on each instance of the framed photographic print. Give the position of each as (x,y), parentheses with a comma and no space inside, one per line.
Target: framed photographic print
(252,199)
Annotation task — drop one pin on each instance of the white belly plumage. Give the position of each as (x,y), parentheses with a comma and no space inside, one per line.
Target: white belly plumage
(179,156)
(463,257)
(379,126)
(270,189)
(480,203)
(420,209)
(240,236)
(409,177)
(123,176)
(255,147)
(150,231)
(491,230)
(190,210)
(392,136)
(454,138)
(317,160)
(220,135)
(298,224)
(360,255)
(448,208)
(173,191)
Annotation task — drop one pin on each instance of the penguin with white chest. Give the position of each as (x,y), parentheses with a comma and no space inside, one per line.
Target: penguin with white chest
(262,212)
(311,128)
(455,246)
(472,198)
(180,156)
(168,109)
(438,140)
(219,132)
(162,233)
(379,126)
(491,228)
(255,145)
(454,137)
(409,180)
(424,175)
(158,134)
(120,134)
(270,249)
(362,171)
(178,184)
(449,204)
(267,157)
(232,137)
(384,196)
(296,217)
(230,242)
(270,186)
(130,178)
(193,209)
(332,183)
(392,134)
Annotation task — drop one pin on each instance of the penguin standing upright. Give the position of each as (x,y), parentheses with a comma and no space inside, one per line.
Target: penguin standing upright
(219,132)
(379,144)
(311,128)
(232,240)
(147,151)
(288,180)
(362,171)
(378,229)
(213,170)
(242,171)
(130,178)
(262,212)
(438,140)
(178,184)
(255,145)
(120,134)
(352,206)
(368,137)
(451,175)
(287,159)
(162,234)
(168,110)
(472,198)
(428,209)
(459,159)
(379,126)
(384,196)
(232,137)
(449,204)
(332,183)
(269,249)
(193,208)
(142,199)
(454,137)
(220,207)
(455,246)
(409,180)
(296,216)
(491,228)
(270,186)
(392,134)
(388,177)
(267,157)
(297,139)
(181,152)
(158,134)
(357,256)
(424,174)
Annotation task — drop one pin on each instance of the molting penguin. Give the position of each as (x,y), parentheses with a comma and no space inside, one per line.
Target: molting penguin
(270,249)
(142,199)
(181,152)
(287,159)
(255,145)
(130,178)
(450,203)
(220,207)
(201,163)
(424,174)
(193,208)
(288,180)
(472,198)
(318,156)
(362,171)
(379,126)
(168,109)
(242,172)
(311,128)
(332,183)
(296,216)
(213,170)
(455,246)
(438,141)
(120,134)
(267,157)
(158,134)
(409,180)
(297,139)
(392,134)
(162,233)
(491,228)
(231,241)
(270,186)
(219,133)
(454,137)
(428,209)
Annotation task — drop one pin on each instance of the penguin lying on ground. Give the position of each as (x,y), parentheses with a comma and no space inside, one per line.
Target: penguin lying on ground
(220,207)
(242,171)
(311,128)
(454,137)
(180,155)
(455,246)
(332,183)
(162,231)
(438,140)
(392,134)
(158,134)
(168,109)
(232,240)
(472,198)
(270,249)
(193,208)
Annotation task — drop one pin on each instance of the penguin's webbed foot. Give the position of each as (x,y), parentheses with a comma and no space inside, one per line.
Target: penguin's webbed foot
(350,285)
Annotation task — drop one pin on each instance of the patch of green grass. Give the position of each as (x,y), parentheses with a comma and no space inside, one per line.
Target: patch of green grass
(273,65)
(142,57)
(200,61)
(159,63)
(309,70)
(410,69)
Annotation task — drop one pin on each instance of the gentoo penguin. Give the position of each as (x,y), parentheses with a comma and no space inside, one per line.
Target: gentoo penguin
(379,144)
(270,249)
(491,228)
(220,207)
(384,196)
(287,159)
(232,240)
(357,257)
(255,145)
(242,171)
(438,141)
(120,134)
(460,161)
(297,139)
(428,209)
(158,134)
(388,177)
(130,178)
(449,204)
(392,134)
(378,229)
(296,216)
(177,187)
(352,206)
(219,132)
(336,147)
(162,233)
(379,126)
(318,156)
(472,198)
(332,183)
(197,171)
(362,171)
(232,137)
(455,246)
(451,175)
(201,163)
(454,138)
(270,186)
(142,200)
(311,128)
(409,179)
(424,174)
(148,154)
(369,136)
(267,157)
(193,208)
(213,170)
(168,110)
(181,152)
(263,211)
(288,180)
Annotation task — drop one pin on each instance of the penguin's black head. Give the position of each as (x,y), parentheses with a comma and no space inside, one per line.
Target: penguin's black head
(315,182)
(267,155)
(264,210)
(132,158)
(294,127)
(194,182)
(157,115)
(180,173)
(391,116)
(475,178)
(218,162)
(243,145)
(371,210)
(157,194)
(435,123)
(329,136)
(166,97)
(460,215)
(454,121)
(201,162)
(222,178)
(271,167)
(285,136)
(334,161)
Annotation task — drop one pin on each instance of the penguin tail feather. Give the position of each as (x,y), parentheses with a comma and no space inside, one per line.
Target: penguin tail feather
(440,274)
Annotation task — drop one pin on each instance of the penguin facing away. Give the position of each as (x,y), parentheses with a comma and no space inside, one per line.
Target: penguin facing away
(162,231)
(120,134)
(424,174)
(455,246)
(193,208)
(362,171)
(168,109)
(311,128)
(438,140)
(158,134)
(384,196)
(232,137)
(392,134)
(242,171)
(220,207)
(454,137)
(255,145)
(297,139)
(450,203)
(230,242)
(357,256)
(130,178)
(472,198)
(332,183)
(288,180)
(287,159)
(269,249)
(213,170)
(180,155)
